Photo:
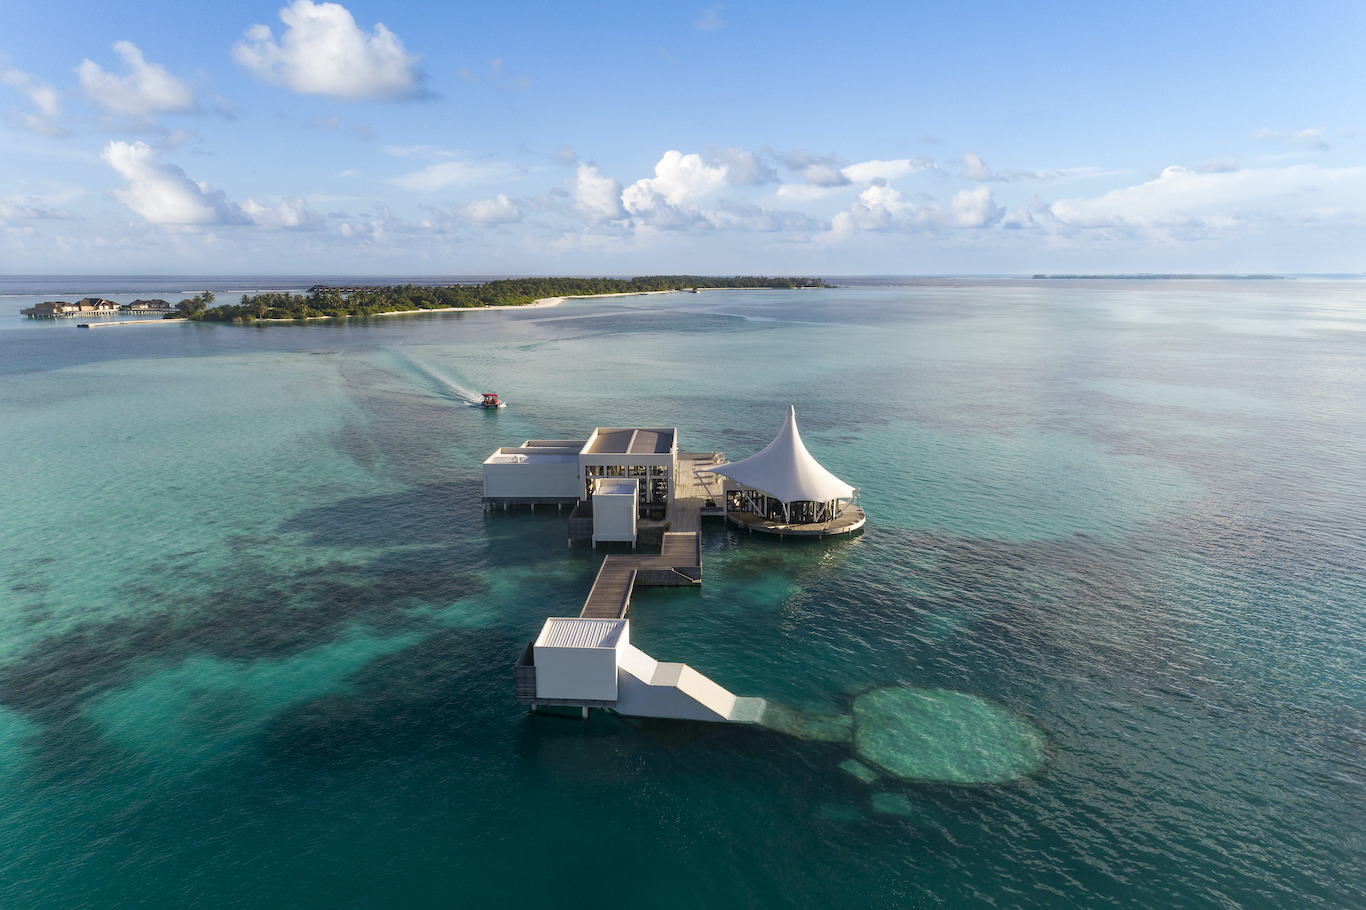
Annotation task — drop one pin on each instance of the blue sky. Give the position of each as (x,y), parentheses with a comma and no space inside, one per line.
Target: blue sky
(635,138)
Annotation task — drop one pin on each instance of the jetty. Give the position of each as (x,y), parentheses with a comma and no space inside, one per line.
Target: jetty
(679,563)
(632,485)
(588,661)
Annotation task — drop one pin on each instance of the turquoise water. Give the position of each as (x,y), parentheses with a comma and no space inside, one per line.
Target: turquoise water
(256,632)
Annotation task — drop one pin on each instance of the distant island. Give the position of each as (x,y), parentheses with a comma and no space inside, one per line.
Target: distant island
(1167,277)
(340,301)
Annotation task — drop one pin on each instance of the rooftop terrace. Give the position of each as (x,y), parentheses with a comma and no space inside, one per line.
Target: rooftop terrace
(631,441)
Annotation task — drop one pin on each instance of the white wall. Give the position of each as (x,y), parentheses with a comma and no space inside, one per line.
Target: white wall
(557,480)
(587,674)
(614,513)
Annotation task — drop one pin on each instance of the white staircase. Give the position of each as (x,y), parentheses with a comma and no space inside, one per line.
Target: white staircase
(650,688)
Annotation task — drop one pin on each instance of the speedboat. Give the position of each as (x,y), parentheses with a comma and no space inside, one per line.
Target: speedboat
(491,401)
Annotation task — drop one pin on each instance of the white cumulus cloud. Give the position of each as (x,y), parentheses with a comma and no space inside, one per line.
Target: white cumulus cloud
(144,92)
(597,198)
(974,208)
(678,179)
(743,167)
(822,175)
(324,52)
(42,96)
(817,170)
(974,168)
(498,210)
(870,171)
(669,200)
(883,208)
(163,194)
(289,214)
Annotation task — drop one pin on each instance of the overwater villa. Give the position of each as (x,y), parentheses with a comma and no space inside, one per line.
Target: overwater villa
(611,479)
(155,306)
(59,309)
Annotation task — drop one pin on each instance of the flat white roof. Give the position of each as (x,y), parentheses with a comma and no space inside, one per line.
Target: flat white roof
(580,633)
(631,441)
(529,458)
(616,486)
(574,444)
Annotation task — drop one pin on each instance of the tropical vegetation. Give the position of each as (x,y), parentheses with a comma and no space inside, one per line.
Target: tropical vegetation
(369,301)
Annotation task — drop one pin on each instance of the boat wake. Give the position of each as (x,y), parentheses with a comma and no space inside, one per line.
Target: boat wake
(442,384)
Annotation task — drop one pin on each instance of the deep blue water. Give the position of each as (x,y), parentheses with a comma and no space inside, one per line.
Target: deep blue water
(256,631)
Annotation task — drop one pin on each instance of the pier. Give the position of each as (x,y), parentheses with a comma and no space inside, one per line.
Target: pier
(632,485)
(589,662)
(679,563)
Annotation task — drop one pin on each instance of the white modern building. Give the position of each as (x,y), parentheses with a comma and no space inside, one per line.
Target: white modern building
(539,471)
(564,471)
(591,663)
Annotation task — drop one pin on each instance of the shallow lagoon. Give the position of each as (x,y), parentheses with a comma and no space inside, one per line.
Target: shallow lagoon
(256,634)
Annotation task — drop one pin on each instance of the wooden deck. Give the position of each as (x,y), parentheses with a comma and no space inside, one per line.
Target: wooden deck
(850,520)
(611,594)
(690,497)
(680,557)
(679,562)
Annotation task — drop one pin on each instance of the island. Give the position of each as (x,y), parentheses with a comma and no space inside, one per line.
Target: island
(340,301)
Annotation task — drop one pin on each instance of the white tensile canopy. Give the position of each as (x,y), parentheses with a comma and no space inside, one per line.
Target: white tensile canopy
(785,470)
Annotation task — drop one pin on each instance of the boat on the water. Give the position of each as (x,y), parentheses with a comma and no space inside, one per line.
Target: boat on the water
(491,401)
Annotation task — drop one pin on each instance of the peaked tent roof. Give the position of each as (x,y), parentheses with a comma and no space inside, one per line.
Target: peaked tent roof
(785,470)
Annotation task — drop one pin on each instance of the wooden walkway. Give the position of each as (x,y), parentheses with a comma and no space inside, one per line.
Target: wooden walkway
(685,512)
(611,594)
(679,562)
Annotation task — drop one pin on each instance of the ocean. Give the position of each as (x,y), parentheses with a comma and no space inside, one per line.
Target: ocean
(257,632)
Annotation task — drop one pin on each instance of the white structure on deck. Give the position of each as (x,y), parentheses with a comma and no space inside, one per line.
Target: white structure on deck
(591,663)
(537,471)
(614,509)
(576,659)
(563,471)
(782,489)
(648,454)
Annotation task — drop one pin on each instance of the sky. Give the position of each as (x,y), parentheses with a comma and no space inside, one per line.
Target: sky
(632,138)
